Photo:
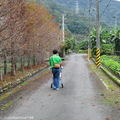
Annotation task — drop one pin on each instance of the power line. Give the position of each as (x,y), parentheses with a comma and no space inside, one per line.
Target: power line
(105,8)
(100,0)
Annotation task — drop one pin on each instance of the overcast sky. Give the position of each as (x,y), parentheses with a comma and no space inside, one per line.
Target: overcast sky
(117,0)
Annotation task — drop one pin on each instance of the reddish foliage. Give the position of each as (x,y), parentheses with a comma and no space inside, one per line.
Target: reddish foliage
(28,31)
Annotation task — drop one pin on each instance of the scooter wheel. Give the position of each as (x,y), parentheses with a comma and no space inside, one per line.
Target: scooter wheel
(62,85)
(51,85)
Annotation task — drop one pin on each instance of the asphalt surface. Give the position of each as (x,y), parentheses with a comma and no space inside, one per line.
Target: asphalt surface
(82,97)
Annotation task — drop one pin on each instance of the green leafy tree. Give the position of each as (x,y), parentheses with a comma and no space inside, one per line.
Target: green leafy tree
(109,39)
(116,39)
(70,44)
(82,45)
(107,49)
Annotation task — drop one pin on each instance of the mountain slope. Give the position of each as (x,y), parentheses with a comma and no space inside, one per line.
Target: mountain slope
(112,10)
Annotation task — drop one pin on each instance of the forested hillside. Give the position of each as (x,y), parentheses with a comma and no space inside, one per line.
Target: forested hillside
(108,8)
(76,23)
(111,7)
(79,23)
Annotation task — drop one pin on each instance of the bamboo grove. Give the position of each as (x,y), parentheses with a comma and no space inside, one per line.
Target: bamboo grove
(27,33)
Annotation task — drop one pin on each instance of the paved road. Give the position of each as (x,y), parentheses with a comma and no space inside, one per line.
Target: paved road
(80,99)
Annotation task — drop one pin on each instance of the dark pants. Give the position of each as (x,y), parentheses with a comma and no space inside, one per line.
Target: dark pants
(56,77)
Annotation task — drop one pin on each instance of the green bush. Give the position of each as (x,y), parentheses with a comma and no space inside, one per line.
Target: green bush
(106,49)
(82,45)
(110,63)
(82,51)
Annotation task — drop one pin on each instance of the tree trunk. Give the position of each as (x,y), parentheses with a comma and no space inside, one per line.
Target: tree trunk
(39,61)
(1,77)
(29,61)
(5,64)
(34,60)
(13,66)
(22,63)
(42,57)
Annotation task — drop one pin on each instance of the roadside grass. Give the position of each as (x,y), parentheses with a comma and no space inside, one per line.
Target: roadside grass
(112,94)
(7,105)
(4,96)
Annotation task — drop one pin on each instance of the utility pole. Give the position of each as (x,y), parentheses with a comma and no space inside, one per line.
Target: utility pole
(63,28)
(97,35)
(89,41)
(63,32)
(116,21)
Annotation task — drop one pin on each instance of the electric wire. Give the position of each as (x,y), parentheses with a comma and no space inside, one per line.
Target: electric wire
(105,8)
(100,0)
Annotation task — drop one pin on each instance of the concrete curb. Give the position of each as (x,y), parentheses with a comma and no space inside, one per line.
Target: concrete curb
(114,78)
(109,74)
(11,85)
